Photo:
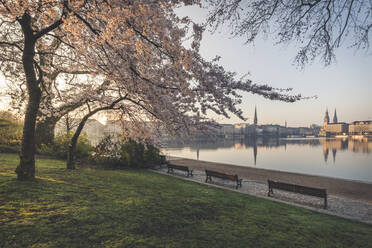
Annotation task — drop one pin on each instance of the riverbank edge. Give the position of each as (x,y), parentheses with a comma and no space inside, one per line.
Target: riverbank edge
(351,189)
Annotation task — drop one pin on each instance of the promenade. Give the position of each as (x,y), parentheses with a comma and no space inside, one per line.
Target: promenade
(346,198)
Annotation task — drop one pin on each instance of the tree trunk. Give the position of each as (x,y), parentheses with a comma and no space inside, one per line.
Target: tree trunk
(45,131)
(71,148)
(26,167)
(70,165)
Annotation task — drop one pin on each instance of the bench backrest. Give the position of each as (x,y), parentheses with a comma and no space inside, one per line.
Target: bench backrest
(298,189)
(221,175)
(163,159)
(178,167)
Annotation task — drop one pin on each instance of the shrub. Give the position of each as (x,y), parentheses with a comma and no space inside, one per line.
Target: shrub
(125,153)
(10,135)
(59,148)
(107,153)
(9,149)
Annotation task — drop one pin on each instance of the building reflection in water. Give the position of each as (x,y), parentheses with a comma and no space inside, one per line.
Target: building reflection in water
(358,146)
(334,151)
(255,153)
(355,145)
(325,154)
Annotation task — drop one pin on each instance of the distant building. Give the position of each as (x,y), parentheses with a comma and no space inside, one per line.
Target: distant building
(335,117)
(315,126)
(226,130)
(92,128)
(240,129)
(326,118)
(342,128)
(335,128)
(223,130)
(270,130)
(360,128)
(112,127)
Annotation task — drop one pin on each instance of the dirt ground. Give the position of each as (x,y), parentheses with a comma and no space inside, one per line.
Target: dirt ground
(344,188)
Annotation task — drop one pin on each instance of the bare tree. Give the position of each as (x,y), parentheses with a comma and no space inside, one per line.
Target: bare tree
(319,26)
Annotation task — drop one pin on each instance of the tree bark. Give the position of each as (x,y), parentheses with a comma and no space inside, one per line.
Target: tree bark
(45,131)
(26,167)
(72,145)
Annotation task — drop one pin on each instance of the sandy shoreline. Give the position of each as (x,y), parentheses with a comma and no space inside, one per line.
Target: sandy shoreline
(356,190)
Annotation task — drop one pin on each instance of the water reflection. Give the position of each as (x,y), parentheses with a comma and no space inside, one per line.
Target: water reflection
(334,151)
(354,145)
(357,146)
(325,153)
(350,159)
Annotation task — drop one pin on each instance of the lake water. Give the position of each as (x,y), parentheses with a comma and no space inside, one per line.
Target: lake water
(339,158)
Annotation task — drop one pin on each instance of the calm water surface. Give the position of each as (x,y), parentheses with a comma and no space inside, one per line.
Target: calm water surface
(348,159)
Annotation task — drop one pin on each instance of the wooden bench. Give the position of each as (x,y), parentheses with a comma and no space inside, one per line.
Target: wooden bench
(172,167)
(321,193)
(163,160)
(234,178)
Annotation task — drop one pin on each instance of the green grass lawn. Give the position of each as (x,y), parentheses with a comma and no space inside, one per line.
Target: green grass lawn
(128,208)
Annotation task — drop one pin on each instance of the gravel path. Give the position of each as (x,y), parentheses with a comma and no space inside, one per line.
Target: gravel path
(339,206)
(349,189)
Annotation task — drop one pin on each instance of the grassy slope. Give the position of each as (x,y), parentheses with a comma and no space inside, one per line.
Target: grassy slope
(97,208)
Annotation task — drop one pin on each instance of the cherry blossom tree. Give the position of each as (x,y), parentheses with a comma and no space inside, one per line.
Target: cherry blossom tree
(135,51)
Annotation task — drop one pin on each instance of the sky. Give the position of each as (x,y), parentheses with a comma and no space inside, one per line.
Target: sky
(345,85)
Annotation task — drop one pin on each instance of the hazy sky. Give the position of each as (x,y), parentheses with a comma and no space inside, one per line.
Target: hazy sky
(345,85)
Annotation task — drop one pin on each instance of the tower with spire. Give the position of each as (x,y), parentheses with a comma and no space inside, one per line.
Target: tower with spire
(335,117)
(255,116)
(326,118)
(335,128)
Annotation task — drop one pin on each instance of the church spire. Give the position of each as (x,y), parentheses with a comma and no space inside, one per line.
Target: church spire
(255,116)
(335,117)
(326,117)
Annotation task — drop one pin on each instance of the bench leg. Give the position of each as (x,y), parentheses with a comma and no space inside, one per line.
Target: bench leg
(191,173)
(270,192)
(170,170)
(239,183)
(208,178)
(325,202)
